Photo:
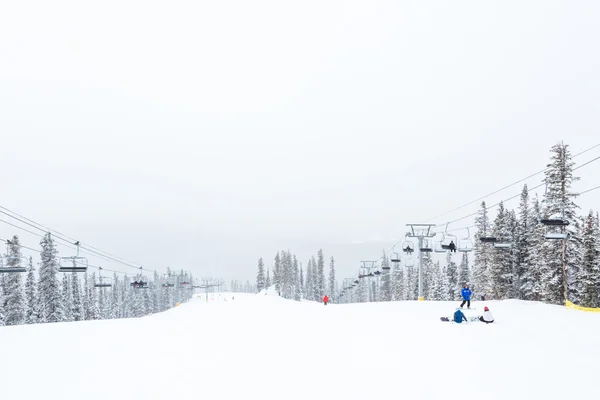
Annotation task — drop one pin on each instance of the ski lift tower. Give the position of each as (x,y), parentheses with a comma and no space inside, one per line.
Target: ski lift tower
(421,231)
(367,272)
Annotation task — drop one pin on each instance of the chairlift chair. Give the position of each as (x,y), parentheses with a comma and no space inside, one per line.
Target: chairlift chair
(553,222)
(102,280)
(377,273)
(426,246)
(488,239)
(140,282)
(557,236)
(74,263)
(13,268)
(502,245)
(408,246)
(465,245)
(395,257)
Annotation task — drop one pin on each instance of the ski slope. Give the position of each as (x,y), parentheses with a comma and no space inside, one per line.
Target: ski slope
(265,347)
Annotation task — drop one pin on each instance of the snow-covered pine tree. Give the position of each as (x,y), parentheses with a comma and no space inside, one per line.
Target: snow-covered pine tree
(451,271)
(268,280)
(309,292)
(115,302)
(427,276)
(48,285)
(85,299)
(500,270)
(386,284)
(67,298)
(531,288)
(31,298)
(437,290)
(93,296)
(302,284)
(297,281)
(14,299)
(522,243)
(260,276)
(149,301)
(560,255)
(286,274)
(277,278)
(320,276)
(464,273)
(331,282)
(156,292)
(590,274)
(77,310)
(481,282)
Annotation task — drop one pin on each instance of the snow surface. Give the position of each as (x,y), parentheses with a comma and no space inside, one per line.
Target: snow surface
(265,347)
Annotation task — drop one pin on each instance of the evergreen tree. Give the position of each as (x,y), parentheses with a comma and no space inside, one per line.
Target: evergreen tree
(452,278)
(277,278)
(93,296)
(31,298)
(67,298)
(315,281)
(85,299)
(531,287)
(310,293)
(260,277)
(386,284)
(590,274)
(332,281)
(500,270)
(48,285)
(77,310)
(157,303)
(302,285)
(297,281)
(464,273)
(320,276)
(523,242)
(483,255)
(14,299)
(115,309)
(268,282)
(560,255)
(438,289)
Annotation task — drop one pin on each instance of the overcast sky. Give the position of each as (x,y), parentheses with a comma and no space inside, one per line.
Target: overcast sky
(205,134)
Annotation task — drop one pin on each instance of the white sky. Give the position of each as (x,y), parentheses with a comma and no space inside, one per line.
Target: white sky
(203,135)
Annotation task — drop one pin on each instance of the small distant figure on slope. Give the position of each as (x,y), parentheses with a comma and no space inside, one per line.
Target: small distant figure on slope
(466,295)
(452,246)
(487,316)
(325,300)
(459,317)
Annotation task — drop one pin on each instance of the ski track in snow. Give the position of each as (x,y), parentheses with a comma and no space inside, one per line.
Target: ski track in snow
(266,347)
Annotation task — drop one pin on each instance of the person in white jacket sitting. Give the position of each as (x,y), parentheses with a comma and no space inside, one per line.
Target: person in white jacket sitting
(487,316)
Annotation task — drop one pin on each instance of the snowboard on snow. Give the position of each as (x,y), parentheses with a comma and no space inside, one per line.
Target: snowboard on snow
(471,318)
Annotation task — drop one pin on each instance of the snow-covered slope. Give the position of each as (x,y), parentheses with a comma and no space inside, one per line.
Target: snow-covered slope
(265,347)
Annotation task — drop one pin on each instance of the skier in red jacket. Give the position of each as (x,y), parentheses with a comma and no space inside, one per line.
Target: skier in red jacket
(325,300)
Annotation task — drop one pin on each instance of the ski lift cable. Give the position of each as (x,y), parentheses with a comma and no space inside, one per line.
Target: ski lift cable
(41,236)
(513,184)
(528,190)
(92,266)
(85,248)
(59,234)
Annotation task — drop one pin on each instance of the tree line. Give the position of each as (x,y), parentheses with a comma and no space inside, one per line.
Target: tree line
(44,297)
(292,282)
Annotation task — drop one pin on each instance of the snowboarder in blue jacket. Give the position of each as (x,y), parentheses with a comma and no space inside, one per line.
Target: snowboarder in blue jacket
(459,317)
(466,295)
